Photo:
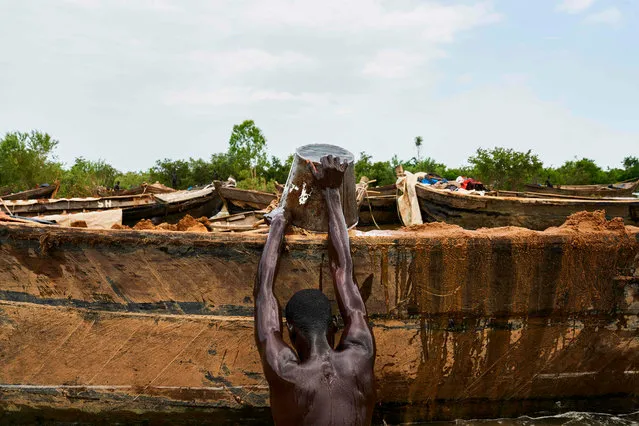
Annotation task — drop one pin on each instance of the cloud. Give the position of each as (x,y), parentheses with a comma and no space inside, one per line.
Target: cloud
(433,21)
(393,64)
(574,6)
(367,74)
(245,60)
(241,96)
(156,5)
(611,16)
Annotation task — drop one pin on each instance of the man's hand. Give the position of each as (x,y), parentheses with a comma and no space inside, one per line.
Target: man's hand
(331,174)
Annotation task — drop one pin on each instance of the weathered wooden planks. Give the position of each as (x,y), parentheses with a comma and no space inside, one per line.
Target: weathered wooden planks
(473,211)
(490,323)
(624,189)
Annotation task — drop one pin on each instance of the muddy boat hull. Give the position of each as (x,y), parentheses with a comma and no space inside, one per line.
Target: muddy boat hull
(474,211)
(166,207)
(616,190)
(379,209)
(33,194)
(240,200)
(470,324)
(142,189)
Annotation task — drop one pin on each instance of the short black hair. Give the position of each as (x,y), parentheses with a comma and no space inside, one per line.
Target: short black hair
(310,311)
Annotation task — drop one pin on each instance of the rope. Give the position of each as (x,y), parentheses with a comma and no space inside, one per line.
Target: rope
(5,206)
(370,209)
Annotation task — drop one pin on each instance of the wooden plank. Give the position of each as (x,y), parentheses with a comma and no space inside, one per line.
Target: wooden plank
(68,205)
(33,194)
(474,211)
(467,323)
(618,190)
(244,198)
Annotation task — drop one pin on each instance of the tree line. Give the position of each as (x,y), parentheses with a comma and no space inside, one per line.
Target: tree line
(28,159)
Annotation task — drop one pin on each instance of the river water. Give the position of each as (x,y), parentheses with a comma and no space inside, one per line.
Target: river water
(262,417)
(570,418)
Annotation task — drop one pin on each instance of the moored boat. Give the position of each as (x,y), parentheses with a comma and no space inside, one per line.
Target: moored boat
(489,323)
(145,188)
(169,207)
(41,192)
(239,200)
(623,189)
(472,211)
(379,206)
(30,208)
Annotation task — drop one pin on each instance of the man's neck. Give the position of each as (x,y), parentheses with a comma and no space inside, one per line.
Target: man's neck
(317,347)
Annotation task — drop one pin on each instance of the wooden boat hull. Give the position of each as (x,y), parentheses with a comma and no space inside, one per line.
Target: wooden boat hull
(31,208)
(168,207)
(171,207)
(243,199)
(467,324)
(474,211)
(378,209)
(142,189)
(617,190)
(379,206)
(33,194)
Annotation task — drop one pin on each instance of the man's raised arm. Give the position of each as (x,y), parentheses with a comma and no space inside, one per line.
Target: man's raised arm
(351,306)
(268,321)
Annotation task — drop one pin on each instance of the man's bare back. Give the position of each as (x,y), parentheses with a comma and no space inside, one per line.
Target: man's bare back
(316,384)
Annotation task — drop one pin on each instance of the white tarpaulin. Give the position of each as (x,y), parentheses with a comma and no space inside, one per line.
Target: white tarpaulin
(173,197)
(97,220)
(407,202)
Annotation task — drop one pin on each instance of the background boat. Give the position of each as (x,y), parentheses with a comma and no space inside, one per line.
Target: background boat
(623,189)
(31,208)
(379,206)
(34,194)
(473,211)
(173,206)
(240,200)
(153,188)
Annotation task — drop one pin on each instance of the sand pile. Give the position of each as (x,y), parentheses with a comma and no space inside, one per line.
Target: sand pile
(434,228)
(190,224)
(592,222)
(167,227)
(186,224)
(144,224)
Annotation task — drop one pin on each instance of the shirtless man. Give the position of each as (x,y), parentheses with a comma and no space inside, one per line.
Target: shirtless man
(316,384)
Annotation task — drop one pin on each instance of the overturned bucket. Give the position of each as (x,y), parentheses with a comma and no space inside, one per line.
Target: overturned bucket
(303,197)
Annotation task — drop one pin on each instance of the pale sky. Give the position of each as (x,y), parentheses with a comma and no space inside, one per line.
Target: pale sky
(131,81)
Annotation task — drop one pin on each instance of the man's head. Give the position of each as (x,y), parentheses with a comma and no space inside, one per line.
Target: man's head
(308,315)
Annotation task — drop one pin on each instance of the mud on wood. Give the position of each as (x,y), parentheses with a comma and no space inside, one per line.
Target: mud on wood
(467,324)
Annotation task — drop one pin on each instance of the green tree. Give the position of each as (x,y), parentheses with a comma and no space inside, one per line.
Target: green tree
(224,166)
(85,176)
(132,179)
(278,171)
(505,168)
(173,173)
(418,145)
(581,172)
(631,168)
(200,172)
(428,165)
(380,171)
(26,160)
(248,146)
